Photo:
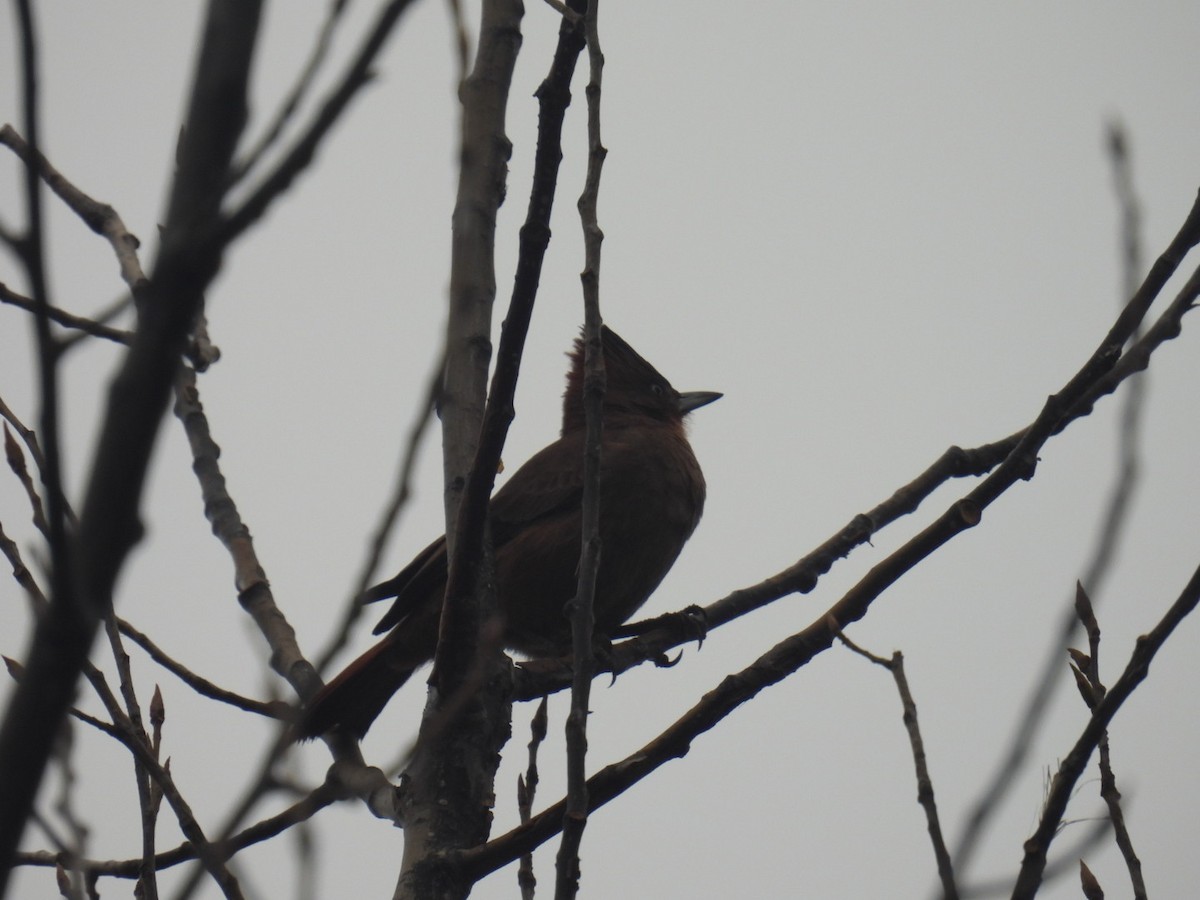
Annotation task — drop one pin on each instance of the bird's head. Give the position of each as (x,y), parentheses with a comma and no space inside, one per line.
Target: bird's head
(634,389)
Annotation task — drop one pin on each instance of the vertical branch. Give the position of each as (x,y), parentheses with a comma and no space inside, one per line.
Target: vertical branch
(109,527)
(471,282)
(21,766)
(483,170)
(452,775)
(583,618)
(526,791)
(1086,668)
(467,480)
(463,611)
(146,805)
(33,255)
(1130,421)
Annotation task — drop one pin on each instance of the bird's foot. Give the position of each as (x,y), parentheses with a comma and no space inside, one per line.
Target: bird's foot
(690,623)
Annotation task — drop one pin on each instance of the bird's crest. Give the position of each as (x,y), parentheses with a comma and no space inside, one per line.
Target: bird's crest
(631,383)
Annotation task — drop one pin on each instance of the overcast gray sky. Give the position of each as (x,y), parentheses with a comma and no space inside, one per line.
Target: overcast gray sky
(879,229)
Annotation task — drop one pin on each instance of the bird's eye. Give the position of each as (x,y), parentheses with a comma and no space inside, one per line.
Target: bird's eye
(656,390)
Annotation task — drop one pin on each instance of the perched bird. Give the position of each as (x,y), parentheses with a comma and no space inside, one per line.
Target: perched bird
(651,498)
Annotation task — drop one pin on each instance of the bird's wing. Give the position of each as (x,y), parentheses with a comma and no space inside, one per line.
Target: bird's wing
(551,482)
(416,581)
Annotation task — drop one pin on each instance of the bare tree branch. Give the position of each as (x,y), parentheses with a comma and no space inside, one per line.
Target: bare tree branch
(109,525)
(271,709)
(100,217)
(62,317)
(20,769)
(925,796)
(1086,668)
(379,537)
(304,150)
(147,806)
(254,590)
(437,818)
(526,793)
(583,616)
(21,573)
(1074,763)
(295,96)
(15,457)
(268,828)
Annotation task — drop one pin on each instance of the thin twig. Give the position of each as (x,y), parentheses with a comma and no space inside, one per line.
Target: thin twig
(271,709)
(80,323)
(146,806)
(149,874)
(320,797)
(1060,868)
(1073,765)
(99,217)
(75,846)
(1087,675)
(28,435)
(462,42)
(398,499)
(925,796)
(15,458)
(107,314)
(570,15)
(567,867)
(527,792)
(21,573)
(248,160)
(254,590)
(301,154)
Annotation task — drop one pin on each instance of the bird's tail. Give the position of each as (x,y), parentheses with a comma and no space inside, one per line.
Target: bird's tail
(355,698)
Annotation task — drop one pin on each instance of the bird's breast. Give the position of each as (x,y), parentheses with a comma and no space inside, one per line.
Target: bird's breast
(651,498)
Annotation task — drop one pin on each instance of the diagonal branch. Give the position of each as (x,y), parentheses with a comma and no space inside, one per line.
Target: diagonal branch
(62,317)
(98,216)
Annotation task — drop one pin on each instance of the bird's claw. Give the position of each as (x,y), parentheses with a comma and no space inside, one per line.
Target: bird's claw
(665,662)
(696,619)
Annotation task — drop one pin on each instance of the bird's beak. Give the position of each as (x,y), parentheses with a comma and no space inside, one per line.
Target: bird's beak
(690,400)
